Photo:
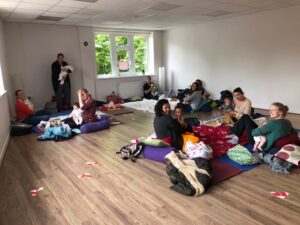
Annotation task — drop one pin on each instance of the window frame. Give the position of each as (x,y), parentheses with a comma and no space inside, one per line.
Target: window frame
(131,51)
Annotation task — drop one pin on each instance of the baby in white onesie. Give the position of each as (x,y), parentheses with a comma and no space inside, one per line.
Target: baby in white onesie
(76,114)
(64,72)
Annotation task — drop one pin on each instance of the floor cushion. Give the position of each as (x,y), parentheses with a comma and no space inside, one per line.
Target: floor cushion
(156,153)
(290,153)
(98,125)
(288,139)
(242,156)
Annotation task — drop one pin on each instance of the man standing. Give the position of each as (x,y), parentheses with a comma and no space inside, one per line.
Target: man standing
(61,89)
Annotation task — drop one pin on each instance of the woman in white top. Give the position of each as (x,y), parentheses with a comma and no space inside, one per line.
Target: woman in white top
(242,105)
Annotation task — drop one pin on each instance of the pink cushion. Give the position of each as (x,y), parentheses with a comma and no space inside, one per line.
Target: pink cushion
(289,139)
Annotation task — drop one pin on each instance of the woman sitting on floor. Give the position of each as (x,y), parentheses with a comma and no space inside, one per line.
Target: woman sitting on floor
(192,100)
(242,105)
(150,90)
(276,128)
(204,93)
(25,110)
(166,128)
(88,106)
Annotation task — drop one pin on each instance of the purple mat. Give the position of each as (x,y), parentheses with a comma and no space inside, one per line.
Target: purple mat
(156,153)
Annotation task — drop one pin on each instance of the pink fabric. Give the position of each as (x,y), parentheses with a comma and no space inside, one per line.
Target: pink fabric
(215,137)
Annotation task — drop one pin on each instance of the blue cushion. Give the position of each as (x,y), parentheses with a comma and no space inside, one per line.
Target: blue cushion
(98,125)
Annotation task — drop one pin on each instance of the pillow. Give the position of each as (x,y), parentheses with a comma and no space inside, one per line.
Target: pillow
(290,153)
(101,124)
(242,156)
(155,142)
(288,139)
(156,153)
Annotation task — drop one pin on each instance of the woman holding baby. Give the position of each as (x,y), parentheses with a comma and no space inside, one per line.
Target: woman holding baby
(87,106)
(269,132)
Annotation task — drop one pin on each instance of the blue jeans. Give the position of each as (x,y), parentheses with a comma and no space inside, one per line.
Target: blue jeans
(37,118)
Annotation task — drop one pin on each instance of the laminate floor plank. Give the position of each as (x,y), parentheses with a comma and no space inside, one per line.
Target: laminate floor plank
(123,192)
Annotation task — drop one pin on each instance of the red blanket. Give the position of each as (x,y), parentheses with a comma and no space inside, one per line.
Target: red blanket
(215,137)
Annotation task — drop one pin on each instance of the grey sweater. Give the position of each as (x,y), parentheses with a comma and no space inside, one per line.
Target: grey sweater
(194,99)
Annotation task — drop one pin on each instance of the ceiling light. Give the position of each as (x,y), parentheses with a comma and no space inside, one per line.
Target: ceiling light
(49,18)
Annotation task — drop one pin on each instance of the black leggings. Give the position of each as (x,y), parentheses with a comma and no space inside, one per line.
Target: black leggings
(71,123)
(244,123)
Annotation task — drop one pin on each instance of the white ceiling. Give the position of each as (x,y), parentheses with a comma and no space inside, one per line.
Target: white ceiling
(134,14)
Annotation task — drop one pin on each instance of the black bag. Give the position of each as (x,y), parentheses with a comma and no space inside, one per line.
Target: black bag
(225,94)
(20,129)
(181,93)
(131,151)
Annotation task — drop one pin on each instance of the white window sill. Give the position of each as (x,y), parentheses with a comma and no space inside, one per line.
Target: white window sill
(103,77)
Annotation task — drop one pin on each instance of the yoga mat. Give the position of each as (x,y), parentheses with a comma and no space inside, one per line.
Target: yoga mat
(119,111)
(226,160)
(222,171)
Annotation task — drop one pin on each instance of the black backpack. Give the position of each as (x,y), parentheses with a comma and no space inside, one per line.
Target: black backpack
(131,151)
(20,129)
(225,94)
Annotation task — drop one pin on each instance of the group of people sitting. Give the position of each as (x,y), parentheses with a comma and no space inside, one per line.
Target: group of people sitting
(193,98)
(83,112)
(239,109)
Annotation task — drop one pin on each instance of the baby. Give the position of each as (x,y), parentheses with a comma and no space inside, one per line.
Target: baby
(154,91)
(178,112)
(227,106)
(76,114)
(64,72)
(259,142)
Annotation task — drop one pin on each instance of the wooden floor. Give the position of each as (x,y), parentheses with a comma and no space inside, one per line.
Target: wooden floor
(121,192)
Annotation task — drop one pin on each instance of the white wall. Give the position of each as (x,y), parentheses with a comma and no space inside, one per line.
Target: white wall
(33,47)
(4,108)
(259,53)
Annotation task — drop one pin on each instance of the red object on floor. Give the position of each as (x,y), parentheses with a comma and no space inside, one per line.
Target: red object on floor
(289,139)
(222,171)
(243,139)
(115,99)
(215,137)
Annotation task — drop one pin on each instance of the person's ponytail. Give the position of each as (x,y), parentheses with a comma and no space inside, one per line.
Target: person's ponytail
(282,108)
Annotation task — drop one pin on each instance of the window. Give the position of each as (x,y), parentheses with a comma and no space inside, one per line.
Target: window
(121,54)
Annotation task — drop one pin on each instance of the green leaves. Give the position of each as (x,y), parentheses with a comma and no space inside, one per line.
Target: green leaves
(103,52)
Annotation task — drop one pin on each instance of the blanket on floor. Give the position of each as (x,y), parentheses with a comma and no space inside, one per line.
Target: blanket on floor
(218,138)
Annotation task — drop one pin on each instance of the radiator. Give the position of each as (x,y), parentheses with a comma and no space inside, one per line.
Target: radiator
(130,89)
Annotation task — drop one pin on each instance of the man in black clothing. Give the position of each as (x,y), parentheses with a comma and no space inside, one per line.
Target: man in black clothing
(61,90)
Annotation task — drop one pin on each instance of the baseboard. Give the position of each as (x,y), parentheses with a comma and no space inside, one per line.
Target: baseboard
(4,147)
